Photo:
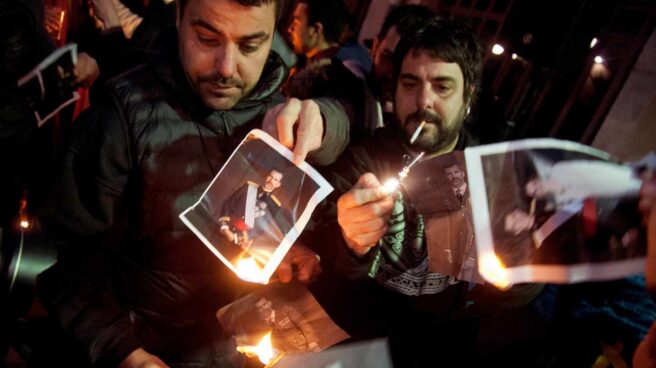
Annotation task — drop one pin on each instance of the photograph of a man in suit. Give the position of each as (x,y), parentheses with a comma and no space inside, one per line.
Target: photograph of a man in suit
(289,331)
(254,219)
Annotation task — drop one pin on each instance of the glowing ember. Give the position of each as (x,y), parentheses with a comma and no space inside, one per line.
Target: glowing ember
(263,350)
(494,271)
(390,185)
(249,270)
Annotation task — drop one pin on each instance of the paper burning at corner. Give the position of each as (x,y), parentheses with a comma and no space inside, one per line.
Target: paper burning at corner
(263,350)
(249,270)
(493,270)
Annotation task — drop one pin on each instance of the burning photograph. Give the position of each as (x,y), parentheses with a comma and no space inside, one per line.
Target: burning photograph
(553,211)
(286,315)
(256,207)
(439,190)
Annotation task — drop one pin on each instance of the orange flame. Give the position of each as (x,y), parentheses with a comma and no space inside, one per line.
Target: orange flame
(263,350)
(494,271)
(249,270)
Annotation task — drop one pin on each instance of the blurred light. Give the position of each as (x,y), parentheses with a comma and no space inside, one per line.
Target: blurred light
(24,224)
(514,56)
(497,49)
(598,59)
(494,271)
(263,350)
(594,42)
(390,185)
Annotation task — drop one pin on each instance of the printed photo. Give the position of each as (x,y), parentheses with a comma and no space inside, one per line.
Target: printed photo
(439,189)
(554,211)
(297,322)
(49,86)
(256,207)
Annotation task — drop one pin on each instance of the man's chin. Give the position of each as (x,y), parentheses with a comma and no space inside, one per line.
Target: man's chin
(220,102)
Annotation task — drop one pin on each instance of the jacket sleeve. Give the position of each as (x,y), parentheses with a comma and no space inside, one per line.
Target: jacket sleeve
(336,131)
(80,214)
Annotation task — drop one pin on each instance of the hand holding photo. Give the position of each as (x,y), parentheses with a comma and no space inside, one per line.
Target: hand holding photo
(256,207)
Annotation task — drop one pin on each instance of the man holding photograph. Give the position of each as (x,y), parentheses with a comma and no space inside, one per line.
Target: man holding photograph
(134,286)
(381,235)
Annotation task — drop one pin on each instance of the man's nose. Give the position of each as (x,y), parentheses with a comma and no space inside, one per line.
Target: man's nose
(226,62)
(425,97)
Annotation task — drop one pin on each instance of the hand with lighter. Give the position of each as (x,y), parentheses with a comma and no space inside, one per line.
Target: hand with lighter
(363,211)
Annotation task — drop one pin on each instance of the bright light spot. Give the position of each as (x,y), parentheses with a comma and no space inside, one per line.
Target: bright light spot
(263,350)
(598,59)
(24,224)
(594,42)
(497,49)
(249,270)
(494,271)
(514,56)
(390,185)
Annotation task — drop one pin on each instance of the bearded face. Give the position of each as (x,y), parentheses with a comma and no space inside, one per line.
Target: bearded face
(430,90)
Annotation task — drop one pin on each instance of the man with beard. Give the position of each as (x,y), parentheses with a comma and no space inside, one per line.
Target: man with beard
(380,234)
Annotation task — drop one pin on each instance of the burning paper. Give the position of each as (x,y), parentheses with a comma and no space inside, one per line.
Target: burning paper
(288,313)
(554,211)
(263,350)
(256,207)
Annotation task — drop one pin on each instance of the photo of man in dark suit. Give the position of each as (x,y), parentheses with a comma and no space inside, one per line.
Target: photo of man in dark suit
(253,218)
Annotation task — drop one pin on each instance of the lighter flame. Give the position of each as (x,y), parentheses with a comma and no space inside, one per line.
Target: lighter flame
(249,270)
(263,350)
(390,185)
(494,271)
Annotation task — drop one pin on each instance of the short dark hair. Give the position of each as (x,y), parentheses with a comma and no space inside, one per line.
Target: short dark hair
(182,4)
(332,14)
(449,40)
(404,18)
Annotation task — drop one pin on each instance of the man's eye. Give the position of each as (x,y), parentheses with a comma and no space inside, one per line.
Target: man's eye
(442,89)
(249,49)
(208,40)
(409,85)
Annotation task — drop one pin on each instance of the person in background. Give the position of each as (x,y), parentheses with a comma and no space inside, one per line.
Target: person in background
(317,32)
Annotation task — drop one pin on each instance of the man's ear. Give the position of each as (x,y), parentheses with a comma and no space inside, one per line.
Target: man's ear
(318,26)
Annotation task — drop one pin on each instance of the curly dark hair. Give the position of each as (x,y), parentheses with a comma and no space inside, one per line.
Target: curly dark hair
(449,40)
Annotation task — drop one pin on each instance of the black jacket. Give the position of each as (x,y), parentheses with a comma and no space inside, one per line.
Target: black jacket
(130,274)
